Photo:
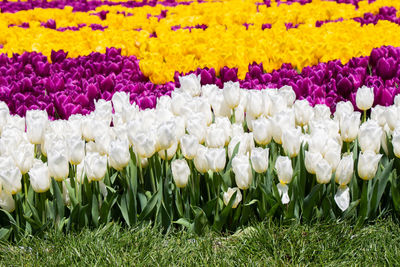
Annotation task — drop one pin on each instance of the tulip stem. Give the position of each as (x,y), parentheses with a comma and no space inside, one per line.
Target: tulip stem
(153,183)
(25,187)
(244,196)
(166,162)
(364,115)
(140,170)
(208,186)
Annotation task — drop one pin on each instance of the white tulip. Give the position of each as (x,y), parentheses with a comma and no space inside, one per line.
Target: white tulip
(23,156)
(396,142)
(369,136)
(197,126)
(7,202)
(291,141)
(246,144)
(119,155)
(260,159)
(281,122)
(145,144)
(303,112)
(103,111)
(190,84)
(57,159)
(349,125)
(216,159)
(343,109)
(39,176)
(242,169)
(342,197)
(10,175)
(4,114)
(288,94)
(170,151)
(262,130)
(36,122)
(120,101)
(180,172)
(76,151)
(378,114)
(219,105)
(228,195)
(365,97)
(95,166)
(215,137)
(344,170)
(283,191)
(255,105)
(368,164)
(310,161)
(200,160)
(239,114)
(321,112)
(323,171)
(231,94)
(283,166)
(189,145)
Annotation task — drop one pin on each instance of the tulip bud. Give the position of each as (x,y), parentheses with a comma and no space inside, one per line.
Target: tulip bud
(7,202)
(215,137)
(323,171)
(180,172)
(259,159)
(4,114)
(231,94)
(255,105)
(344,170)
(349,126)
(303,112)
(189,145)
(10,175)
(120,101)
(145,144)
(196,125)
(166,135)
(281,122)
(239,114)
(228,195)
(216,159)
(310,161)
(170,152)
(200,160)
(365,97)
(369,136)
(57,160)
(190,84)
(291,141)
(288,94)
(23,156)
(396,142)
(391,115)
(321,112)
(343,109)
(36,121)
(368,164)
(284,169)
(242,170)
(119,154)
(76,151)
(39,176)
(262,131)
(95,166)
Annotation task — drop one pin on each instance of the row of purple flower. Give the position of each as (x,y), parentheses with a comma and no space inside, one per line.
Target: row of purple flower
(70,85)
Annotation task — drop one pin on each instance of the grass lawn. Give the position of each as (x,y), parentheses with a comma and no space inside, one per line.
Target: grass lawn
(267,243)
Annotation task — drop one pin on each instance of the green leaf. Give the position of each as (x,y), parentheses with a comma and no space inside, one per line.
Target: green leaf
(95,210)
(379,188)
(113,177)
(58,202)
(310,201)
(183,221)
(351,209)
(363,203)
(5,233)
(71,193)
(124,209)
(235,151)
(200,220)
(151,204)
(223,216)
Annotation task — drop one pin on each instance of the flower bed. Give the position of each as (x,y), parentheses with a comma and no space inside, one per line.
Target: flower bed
(173,114)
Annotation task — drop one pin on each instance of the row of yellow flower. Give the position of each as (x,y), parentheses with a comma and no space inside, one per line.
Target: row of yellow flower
(226,42)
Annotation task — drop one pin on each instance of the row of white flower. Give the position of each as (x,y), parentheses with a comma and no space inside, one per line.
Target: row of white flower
(205,123)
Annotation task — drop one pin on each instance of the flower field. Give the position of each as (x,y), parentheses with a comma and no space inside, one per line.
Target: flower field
(207,114)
